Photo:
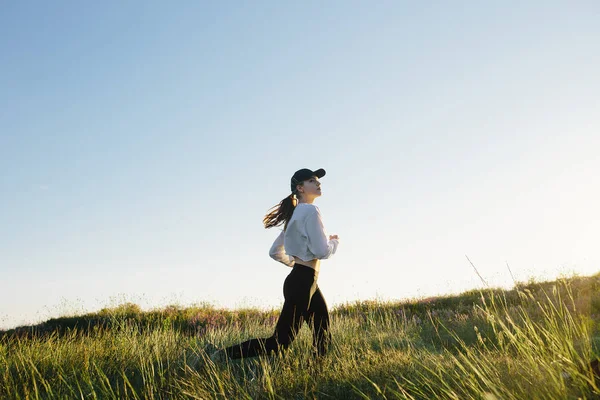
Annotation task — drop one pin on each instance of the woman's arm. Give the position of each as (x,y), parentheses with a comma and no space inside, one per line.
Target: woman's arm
(277,252)
(317,240)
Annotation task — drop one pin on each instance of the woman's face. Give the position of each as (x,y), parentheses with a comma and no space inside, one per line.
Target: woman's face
(311,188)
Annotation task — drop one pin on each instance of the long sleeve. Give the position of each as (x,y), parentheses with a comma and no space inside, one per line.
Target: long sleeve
(317,240)
(277,252)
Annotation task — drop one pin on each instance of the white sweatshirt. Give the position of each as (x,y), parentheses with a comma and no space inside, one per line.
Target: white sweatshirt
(304,237)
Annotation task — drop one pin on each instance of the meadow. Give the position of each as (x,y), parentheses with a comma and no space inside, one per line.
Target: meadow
(535,341)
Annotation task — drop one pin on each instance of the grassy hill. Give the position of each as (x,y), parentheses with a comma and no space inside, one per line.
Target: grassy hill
(534,341)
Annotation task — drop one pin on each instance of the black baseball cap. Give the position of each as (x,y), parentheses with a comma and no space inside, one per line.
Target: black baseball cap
(304,174)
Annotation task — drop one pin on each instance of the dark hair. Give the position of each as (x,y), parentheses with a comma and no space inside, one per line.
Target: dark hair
(280,213)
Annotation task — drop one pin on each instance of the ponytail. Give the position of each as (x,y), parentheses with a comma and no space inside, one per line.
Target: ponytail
(280,213)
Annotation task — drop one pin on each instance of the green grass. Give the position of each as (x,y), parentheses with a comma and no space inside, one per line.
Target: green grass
(532,342)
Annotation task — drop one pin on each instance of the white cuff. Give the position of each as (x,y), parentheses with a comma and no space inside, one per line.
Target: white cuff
(335,243)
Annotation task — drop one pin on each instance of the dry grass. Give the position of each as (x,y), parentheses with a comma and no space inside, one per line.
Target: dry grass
(533,342)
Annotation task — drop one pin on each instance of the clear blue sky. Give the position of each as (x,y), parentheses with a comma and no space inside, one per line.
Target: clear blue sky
(141,143)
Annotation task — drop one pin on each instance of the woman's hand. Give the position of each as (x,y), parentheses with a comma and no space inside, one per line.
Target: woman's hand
(333,237)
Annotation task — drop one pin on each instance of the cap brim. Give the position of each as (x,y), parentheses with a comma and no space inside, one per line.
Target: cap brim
(320,173)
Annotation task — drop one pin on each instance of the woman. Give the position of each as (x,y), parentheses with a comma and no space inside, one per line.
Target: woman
(301,245)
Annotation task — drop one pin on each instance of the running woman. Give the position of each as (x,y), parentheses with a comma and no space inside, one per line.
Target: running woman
(301,245)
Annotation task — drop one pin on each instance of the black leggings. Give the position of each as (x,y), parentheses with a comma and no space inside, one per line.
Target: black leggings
(303,302)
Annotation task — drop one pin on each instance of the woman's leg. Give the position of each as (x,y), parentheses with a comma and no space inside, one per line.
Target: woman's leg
(318,320)
(288,325)
(297,290)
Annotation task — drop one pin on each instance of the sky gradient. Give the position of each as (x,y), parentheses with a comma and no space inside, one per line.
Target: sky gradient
(141,144)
